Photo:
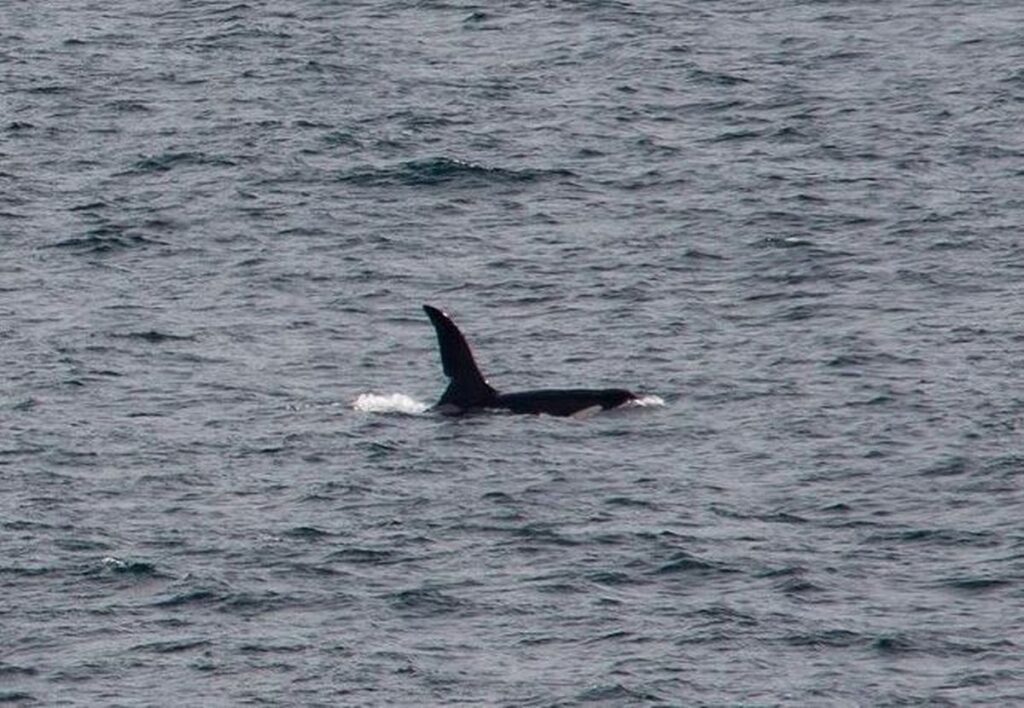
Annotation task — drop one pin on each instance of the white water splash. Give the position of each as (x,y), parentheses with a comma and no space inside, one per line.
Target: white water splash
(648,401)
(388,403)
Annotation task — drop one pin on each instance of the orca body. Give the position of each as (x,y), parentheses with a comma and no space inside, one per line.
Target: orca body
(468,390)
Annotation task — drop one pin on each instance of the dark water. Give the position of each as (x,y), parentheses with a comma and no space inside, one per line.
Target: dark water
(798,223)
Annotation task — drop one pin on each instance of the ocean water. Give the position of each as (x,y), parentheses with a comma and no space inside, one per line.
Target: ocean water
(796,223)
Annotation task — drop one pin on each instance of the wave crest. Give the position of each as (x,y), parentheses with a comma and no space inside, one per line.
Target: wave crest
(388,403)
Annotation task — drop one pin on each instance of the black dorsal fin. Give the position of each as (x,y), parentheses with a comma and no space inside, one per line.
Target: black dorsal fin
(468,387)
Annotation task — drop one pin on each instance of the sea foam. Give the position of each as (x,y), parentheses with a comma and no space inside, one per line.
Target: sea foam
(388,403)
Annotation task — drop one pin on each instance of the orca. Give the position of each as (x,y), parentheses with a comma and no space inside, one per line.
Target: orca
(468,390)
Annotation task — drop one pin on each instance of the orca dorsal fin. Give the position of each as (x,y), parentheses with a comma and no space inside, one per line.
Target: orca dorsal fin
(468,388)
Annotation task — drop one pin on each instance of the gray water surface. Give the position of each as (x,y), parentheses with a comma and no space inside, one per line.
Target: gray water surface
(797,223)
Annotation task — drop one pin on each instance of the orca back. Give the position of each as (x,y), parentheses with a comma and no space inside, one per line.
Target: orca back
(564,402)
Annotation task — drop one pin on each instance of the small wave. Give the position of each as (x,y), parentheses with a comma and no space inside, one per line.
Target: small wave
(443,171)
(120,566)
(167,161)
(307,533)
(388,403)
(683,562)
(429,602)
(152,336)
(105,239)
(17,697)
(369,556)
(198,596)
(617,694)
(172,646)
